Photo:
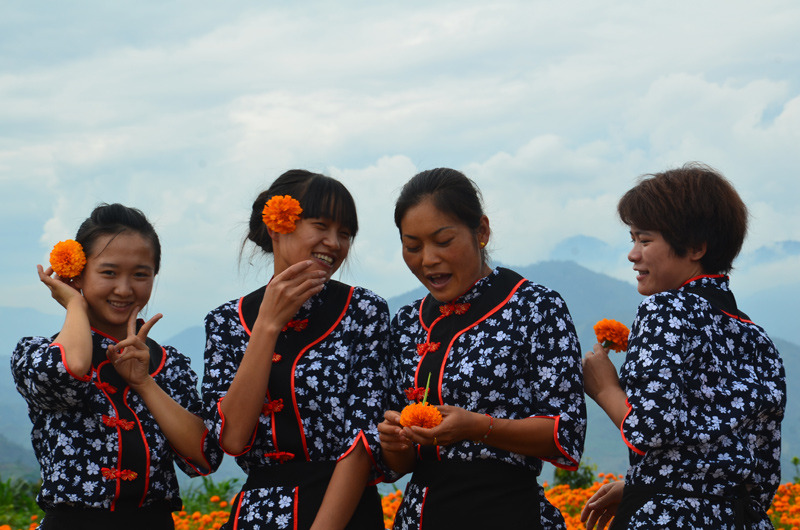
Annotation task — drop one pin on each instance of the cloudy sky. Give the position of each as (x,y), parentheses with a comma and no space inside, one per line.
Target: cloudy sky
(187,110)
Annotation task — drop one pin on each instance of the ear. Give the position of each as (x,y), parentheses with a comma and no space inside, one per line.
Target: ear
(483,232)
(697,253)
(77,282)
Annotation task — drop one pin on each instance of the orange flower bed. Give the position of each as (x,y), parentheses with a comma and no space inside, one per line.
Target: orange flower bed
(784,512)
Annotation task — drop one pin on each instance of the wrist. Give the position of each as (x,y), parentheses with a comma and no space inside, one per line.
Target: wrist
(485,428)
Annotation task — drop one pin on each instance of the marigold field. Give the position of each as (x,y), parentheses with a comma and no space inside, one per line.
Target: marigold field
(210,507)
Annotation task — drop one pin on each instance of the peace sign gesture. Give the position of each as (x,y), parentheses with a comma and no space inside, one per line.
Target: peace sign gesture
(131,357)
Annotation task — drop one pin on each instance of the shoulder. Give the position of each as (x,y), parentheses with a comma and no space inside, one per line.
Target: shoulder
(225,311)
(409,312)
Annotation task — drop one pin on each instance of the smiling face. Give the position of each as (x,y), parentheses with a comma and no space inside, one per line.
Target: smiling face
(658,267)
(118,277)
(321,240)
(442,252)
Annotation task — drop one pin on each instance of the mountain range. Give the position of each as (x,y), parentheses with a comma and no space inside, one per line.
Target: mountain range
(590,296)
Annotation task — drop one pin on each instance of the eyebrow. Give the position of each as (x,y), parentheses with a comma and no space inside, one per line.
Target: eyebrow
(115,266)
(408,236)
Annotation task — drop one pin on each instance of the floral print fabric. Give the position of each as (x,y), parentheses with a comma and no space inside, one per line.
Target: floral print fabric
(339,385)
(707,394)
(522,360)
(77,428)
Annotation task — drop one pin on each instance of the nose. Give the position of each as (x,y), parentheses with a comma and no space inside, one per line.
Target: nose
(635,254)
(122,287)
(429,256)
(331,239)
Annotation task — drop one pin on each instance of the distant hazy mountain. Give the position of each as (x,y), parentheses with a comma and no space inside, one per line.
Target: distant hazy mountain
(590,296)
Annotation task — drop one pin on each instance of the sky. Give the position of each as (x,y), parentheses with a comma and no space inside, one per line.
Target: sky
(187,110)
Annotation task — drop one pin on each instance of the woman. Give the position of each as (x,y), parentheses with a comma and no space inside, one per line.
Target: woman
(111,409)
(701,395)
(504,367)
(296,371)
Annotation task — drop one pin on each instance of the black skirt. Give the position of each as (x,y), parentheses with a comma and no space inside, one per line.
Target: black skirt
(156,517)
(311,479)
(477,495)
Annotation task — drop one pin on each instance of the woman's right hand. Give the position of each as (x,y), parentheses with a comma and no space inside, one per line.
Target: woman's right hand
(391,433)
(602,506)
(397,450)
(61,289)
(288,291)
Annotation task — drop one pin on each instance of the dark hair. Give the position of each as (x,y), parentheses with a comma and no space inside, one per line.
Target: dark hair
(319,196)
(690,206)
(452,193)
(114,219)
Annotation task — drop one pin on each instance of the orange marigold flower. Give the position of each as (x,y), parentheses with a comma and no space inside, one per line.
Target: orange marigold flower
(67,258)
(281,212)
(612,334)
(420,414)
(213,498)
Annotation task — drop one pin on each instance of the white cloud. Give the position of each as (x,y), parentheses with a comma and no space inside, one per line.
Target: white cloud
(553,109)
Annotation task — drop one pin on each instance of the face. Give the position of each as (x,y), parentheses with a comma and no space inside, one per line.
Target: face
(323,241)
(442,252)
(658,267)
(118,277)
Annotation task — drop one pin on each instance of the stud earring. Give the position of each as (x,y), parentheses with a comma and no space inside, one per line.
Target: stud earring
(483,244)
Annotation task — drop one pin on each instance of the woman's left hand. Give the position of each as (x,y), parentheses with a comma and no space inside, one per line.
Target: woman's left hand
(601,508)
(131,357)
(457,424)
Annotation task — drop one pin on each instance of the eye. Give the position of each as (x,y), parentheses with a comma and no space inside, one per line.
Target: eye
(412,250)
(445,243)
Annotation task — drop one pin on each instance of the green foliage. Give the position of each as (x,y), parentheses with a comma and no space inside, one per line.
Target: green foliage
(197,498)
(18,502)
(796,464)
(581,478)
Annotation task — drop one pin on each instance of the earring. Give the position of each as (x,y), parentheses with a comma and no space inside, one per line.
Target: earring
(483,244)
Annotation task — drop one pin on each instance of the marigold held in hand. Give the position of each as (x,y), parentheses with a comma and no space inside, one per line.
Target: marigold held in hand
(612,334)
(281,212)
(420,414)
(67,258)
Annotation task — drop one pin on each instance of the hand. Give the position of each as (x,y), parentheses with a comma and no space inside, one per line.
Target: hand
(599,373)
(288,291)
(457,424)
(602,506)
(61,289)
(391,433)
(131,357)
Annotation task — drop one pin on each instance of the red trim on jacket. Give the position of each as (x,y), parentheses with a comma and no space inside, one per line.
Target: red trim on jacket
(558,446)
(222,427)
(622,431)
(86,378)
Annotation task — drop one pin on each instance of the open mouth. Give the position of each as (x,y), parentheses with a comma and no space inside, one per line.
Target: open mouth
(119,305)
(438,280)
(328,260)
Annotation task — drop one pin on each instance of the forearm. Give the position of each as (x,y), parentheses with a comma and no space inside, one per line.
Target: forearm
(244,400)
(76,338)
(344,491)
(183,430)
(614,402)
(400,462)
(527,436)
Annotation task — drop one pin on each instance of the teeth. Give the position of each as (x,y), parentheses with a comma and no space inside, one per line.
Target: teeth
(326,259)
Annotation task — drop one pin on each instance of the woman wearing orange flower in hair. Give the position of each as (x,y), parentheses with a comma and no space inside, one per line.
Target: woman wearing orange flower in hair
(296,371)
(504,367)
(700,398)
(111,409)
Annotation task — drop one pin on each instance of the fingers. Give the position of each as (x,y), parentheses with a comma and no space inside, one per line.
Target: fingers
(391,433)
(147,326)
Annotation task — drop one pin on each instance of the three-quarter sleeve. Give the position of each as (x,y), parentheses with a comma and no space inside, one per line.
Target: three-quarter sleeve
(43,378)
(180,382)
(556,384)
(222,359)
(368,381)
(653,377)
